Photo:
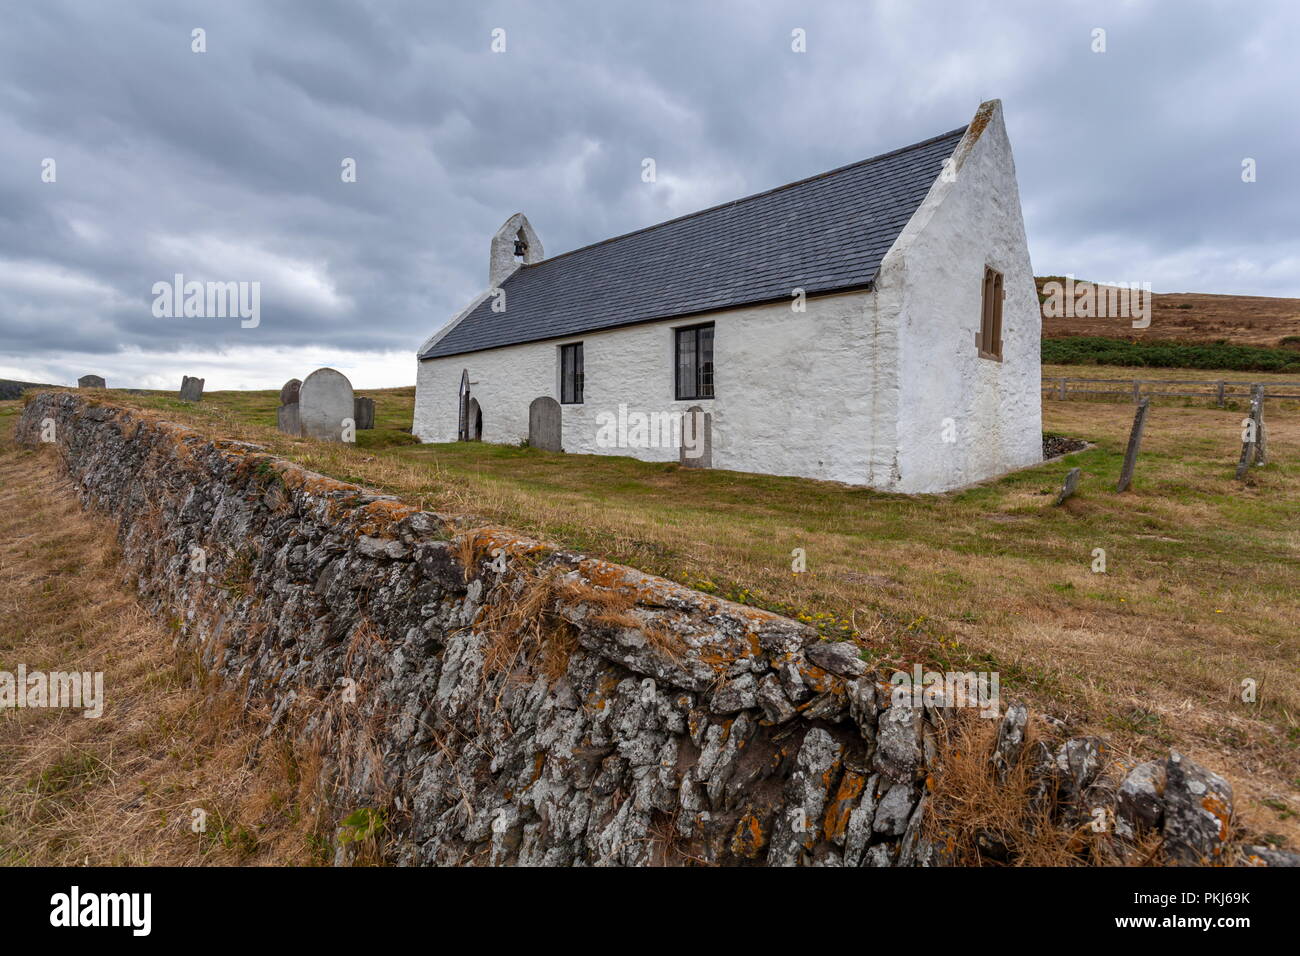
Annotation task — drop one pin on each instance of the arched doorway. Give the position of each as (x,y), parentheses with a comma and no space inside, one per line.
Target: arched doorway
(475,421)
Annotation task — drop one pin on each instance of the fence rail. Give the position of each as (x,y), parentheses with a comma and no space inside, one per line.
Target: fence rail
(1136,389)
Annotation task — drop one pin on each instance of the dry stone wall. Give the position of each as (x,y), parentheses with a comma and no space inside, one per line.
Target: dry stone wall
(505,702)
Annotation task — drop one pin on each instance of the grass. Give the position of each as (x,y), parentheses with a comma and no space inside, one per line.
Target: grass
(122,789)
(1199,592)
(1096,350)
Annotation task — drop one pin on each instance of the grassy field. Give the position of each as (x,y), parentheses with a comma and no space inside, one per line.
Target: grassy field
(1199,592)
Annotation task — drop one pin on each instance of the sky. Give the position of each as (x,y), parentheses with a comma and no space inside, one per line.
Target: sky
(227,164)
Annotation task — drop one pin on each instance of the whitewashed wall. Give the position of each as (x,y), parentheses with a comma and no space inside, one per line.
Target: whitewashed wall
(933,276)
(793,396)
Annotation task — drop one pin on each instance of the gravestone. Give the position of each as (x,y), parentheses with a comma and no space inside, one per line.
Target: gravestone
(286,419)
(1134,443)
(363,412)
(544,424)
(191,389)
(697,438)
(1070,486)
(91,381)
(325,405)
(286,416)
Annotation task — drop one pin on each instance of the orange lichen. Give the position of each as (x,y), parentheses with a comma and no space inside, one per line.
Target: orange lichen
(1221,812)
(749,838)
(846,798)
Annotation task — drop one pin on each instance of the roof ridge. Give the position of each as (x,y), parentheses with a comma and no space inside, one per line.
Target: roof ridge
(752,196)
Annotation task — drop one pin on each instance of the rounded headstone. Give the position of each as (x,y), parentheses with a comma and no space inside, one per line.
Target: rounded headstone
(91,381)
(325,403)
(289,391)
(544,424)
(697,438)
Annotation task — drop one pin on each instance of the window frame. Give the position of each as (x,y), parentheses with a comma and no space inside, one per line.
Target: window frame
(579,377)
(698,386)
(988,341)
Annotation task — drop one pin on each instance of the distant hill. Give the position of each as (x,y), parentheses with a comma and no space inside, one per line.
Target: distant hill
(1192,317)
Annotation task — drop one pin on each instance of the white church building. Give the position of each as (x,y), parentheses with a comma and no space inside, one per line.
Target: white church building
(877,324)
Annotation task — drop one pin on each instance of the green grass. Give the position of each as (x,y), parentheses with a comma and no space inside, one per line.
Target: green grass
(1095,350)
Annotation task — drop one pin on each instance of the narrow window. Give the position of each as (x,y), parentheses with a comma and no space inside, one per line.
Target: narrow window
(989,340)
(695,362)
(571,374)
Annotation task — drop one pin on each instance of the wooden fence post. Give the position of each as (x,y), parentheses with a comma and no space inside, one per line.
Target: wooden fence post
(1137,390)
(1250,450)
(1060,390)
(1261,443)
(1220,395)
(1134,441)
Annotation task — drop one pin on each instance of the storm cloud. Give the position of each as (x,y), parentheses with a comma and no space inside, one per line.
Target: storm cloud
(225,165)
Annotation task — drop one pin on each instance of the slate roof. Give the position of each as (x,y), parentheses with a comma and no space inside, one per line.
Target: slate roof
(823,234)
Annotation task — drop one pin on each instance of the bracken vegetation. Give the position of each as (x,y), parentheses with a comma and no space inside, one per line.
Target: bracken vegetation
(1095,350)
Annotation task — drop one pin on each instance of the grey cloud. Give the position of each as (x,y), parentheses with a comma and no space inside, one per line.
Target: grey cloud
(225,165)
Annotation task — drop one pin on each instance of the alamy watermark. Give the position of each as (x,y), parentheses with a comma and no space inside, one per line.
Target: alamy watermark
(948,689)
(1100,300)
(208,300)
(74,908)
(652,429)
(76,690)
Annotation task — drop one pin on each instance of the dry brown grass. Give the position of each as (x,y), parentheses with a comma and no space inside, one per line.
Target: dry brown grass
(122,788)
(1195,317)
(982,818)
(525,634)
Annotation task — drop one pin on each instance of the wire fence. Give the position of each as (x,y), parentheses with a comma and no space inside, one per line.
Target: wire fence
(1129,389)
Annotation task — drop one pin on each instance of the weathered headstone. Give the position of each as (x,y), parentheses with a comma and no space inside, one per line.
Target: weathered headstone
(1070,486)
(191,389)
(286,416)
(1134,443)
(697,438)
(1253,448)
(286,419)
(544,424)
(325,405)
(363,412)
(91,381)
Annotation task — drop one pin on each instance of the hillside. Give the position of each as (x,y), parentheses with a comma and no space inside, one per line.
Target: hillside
(1193,317)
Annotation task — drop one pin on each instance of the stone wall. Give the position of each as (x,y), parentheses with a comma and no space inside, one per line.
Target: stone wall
(9,389)
(505,702)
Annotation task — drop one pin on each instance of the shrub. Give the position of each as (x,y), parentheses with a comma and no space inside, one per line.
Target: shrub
(1096,350)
